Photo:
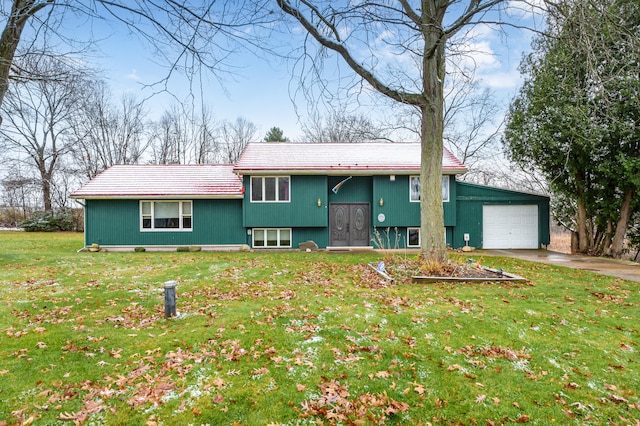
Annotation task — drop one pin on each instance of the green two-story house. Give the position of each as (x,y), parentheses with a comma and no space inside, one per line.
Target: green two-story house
(279,195)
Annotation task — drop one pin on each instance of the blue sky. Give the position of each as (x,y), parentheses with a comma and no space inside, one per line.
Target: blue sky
(261,91)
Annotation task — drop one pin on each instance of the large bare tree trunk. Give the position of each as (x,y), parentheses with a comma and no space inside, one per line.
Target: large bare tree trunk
(617,244)
(433,244)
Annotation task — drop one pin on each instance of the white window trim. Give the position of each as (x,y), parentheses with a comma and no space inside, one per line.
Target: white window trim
(180,213)
(279,245)
(445,178)
(446,196)
(419,237)
(262,179)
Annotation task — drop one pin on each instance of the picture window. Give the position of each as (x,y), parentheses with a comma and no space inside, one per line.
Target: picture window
(165,215)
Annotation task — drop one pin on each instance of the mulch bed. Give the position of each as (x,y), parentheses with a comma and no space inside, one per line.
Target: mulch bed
(420,271)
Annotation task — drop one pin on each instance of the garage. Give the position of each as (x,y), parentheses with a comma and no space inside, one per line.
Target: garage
(510,227)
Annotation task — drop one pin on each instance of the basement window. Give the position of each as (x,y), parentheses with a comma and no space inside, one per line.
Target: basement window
(270,189)
(272,238)
(165,215)
(414,189)
(413,237)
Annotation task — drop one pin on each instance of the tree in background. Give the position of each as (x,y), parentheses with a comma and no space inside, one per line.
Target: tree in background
(471,132)
(234,136)
(576,118)
(183,137)
(364,35)
(106,134)
(39,115)
(340,127)
(275,134)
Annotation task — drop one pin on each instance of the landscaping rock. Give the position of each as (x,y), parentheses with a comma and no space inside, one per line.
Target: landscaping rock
(308,246)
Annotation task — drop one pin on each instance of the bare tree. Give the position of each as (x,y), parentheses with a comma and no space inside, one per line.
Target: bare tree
(39,113)
(106,134)
(169,140)
(340,127)
(471,124)
(235,135)
(181,137)
(188,36)
(206,147)
(415,35)
(19,196)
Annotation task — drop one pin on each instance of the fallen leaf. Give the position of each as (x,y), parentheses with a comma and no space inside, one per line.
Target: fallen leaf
(617,398)
(259,372)
(219,383)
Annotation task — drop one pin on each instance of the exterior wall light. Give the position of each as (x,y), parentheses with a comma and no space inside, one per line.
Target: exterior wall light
(381,202)
(319,202)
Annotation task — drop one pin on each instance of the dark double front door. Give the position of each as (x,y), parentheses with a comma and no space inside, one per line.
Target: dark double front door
(349,224)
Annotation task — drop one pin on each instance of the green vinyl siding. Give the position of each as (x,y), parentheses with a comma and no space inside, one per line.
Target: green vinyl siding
(301,211)
(319,235)
(398,210)
(470,200)
(117,222)
(358,189)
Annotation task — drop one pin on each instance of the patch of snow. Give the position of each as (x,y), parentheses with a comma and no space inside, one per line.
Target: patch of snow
(314,339)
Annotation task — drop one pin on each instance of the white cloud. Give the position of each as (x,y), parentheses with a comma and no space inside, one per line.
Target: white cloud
(501,80)
(526,9)
(133,75)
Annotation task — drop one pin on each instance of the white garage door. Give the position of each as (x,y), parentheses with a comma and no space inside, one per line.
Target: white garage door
(510,227)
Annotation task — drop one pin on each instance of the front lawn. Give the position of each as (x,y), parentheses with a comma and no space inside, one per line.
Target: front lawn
(305,338)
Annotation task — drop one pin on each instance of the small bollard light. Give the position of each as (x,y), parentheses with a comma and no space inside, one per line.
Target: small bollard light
(170,299)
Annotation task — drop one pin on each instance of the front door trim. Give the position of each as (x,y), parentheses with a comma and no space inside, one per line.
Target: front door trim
(349,224)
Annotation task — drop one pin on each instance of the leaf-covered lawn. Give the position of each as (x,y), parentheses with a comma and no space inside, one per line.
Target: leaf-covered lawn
(305,338)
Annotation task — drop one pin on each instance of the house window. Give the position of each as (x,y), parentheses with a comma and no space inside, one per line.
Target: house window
(272,238)
(413,237)
(270,189)
(414,189)
(165,215)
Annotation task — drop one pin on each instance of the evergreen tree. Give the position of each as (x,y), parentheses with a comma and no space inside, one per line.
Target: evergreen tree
(576,118)
(275,134)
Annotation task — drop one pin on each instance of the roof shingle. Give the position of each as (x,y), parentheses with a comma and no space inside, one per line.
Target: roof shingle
(336,158)
(162,181)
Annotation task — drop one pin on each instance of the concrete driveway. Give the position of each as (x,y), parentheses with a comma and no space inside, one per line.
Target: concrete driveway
(616,268)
